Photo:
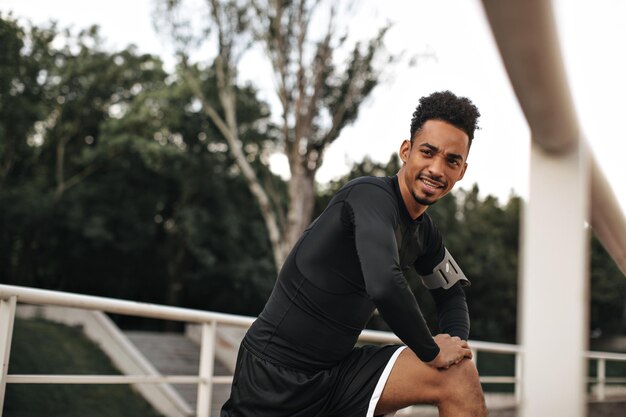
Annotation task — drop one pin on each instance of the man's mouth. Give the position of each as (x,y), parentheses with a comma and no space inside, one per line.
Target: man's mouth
(431,184)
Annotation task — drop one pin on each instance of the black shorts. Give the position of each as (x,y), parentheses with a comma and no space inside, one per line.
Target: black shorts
(263,387)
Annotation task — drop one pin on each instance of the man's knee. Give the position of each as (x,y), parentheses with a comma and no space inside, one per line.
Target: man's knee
(461,393)
(468,369)
(460,380)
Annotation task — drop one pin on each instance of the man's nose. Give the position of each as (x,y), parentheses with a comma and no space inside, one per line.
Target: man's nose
(437,166)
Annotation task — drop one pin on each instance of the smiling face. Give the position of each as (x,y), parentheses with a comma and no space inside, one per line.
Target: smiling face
(432,164)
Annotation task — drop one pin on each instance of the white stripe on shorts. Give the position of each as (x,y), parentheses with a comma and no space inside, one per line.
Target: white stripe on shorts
(381,384)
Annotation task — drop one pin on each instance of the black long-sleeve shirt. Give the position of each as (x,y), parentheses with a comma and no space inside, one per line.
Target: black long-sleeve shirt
(347,263)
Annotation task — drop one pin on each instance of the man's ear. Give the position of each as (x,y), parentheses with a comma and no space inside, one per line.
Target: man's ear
(405,150)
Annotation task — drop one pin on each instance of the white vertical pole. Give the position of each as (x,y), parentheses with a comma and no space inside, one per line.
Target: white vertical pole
(601,379)
(7,317)
(207,358)
(519,374)
(554,294)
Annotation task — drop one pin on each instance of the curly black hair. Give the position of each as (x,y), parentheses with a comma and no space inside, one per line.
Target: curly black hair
(446,106)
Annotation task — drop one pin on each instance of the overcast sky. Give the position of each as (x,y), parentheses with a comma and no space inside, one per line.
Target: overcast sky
(455,51)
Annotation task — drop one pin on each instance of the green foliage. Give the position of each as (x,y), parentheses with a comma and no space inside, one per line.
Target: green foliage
(608,292)
(41,347)
(22,91)
(119,187)
(359,169)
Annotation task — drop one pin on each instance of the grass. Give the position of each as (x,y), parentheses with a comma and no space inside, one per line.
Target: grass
(42,347)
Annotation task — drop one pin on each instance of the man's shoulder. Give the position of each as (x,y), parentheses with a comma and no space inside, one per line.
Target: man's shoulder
(373,193)
(384,183)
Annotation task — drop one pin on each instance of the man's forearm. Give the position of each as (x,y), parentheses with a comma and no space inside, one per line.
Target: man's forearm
(452,311)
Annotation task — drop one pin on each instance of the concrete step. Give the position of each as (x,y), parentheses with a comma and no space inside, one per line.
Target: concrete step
(175,354)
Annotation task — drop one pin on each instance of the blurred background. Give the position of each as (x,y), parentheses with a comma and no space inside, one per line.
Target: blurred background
(172,151)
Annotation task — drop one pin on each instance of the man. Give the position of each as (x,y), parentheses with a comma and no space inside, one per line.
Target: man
(298,358)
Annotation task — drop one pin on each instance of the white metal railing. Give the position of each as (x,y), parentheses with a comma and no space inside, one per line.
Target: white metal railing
(566,189)
(10,295)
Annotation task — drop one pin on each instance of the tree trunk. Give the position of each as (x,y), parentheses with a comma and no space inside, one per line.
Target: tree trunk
(301,191)
(229,130)
(310,87)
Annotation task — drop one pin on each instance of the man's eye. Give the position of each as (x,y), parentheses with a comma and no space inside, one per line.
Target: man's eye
(426,152)
(453,162)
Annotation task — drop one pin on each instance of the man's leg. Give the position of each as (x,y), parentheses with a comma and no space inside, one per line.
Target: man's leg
(456,391)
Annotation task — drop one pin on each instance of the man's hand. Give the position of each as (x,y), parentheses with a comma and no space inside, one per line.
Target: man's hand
(452,350)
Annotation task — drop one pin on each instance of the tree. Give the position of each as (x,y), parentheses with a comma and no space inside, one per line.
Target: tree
(485,242)
(317,96)
(366,167)
(608,291)
(210,245)
(23,91)
(62,97)
(118,185)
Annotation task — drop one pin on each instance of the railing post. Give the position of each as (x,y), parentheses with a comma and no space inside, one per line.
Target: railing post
(207,358)
(7,318)
(600,386)
(554,257)
(518,377)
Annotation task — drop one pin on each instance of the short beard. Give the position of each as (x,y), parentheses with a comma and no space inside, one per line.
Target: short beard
(423,201)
